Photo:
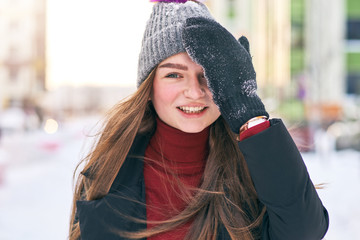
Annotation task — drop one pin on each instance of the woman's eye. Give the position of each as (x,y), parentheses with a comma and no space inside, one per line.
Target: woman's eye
(173,75)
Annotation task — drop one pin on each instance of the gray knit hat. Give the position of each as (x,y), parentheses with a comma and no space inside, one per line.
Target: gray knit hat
(162,37)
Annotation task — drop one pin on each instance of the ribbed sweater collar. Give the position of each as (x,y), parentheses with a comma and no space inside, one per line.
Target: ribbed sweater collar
(180,150)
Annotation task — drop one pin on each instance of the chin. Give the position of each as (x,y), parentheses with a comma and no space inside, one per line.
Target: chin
(191,129)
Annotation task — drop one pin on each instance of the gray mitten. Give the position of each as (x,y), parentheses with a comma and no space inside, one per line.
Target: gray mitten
(228,69)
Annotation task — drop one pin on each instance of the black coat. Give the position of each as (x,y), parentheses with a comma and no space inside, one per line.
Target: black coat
(294,210)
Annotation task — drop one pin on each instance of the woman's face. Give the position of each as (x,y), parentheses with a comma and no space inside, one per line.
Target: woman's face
(180,95)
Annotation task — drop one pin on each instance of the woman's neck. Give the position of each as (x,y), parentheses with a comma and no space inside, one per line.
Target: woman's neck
(181,151)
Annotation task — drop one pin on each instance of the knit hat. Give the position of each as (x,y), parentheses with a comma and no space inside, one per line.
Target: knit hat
(163,33)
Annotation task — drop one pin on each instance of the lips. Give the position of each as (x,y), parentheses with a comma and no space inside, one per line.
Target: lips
(192,110)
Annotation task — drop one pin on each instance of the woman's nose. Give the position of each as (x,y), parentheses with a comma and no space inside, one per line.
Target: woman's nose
(195,89)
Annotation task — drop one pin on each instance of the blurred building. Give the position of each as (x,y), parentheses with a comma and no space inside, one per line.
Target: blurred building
(352,47)
(306,53)
(266,23)
(324,59)
(22,51)
(332,59)
(69,101)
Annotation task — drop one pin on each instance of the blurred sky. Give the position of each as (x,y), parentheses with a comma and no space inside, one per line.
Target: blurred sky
(94,42)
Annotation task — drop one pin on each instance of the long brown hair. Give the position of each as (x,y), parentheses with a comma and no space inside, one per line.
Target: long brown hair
(226,196)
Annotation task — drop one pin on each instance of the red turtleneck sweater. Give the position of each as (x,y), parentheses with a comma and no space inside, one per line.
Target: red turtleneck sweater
(174,157)
(171,153)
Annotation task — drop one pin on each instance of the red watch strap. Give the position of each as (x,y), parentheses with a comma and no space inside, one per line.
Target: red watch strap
(254,130)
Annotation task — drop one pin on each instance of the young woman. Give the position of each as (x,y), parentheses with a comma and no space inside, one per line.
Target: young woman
(192,154)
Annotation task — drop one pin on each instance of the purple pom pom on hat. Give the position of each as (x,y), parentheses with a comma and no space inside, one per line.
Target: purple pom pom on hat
(175,1)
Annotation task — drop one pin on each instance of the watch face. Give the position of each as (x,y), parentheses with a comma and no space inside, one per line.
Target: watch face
(256,122)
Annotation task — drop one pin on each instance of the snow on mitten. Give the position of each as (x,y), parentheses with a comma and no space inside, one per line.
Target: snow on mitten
(228,69)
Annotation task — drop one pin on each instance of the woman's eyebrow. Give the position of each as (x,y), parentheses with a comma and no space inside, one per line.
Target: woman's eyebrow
(174,65)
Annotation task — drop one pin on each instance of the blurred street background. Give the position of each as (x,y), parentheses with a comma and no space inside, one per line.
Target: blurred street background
(63,64)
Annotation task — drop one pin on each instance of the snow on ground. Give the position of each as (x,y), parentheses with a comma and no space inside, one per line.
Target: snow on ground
(36,189)
(36,184)
(340,172)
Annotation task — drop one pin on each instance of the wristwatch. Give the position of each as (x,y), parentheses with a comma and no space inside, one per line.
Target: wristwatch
(253,122)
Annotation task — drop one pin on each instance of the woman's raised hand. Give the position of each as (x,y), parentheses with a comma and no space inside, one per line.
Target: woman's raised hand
(228,69)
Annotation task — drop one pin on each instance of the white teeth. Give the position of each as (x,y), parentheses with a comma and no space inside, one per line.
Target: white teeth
(192,109)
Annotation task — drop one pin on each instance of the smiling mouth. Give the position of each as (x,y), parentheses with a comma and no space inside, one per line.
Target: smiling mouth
(192,110)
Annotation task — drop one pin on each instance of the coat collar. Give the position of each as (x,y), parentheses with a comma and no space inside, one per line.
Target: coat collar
(99,218)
